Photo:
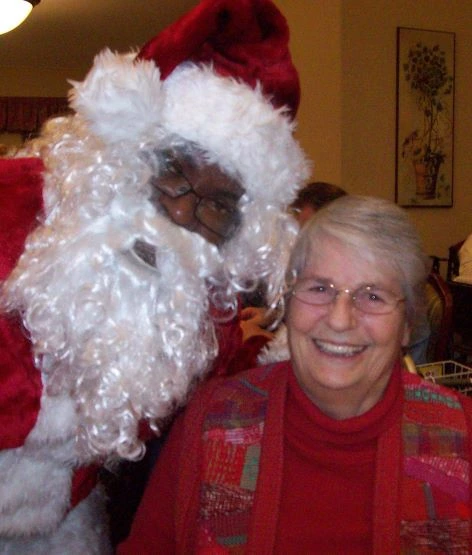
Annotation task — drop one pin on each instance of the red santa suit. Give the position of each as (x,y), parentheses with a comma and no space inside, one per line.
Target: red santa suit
(47,498)
(106,301)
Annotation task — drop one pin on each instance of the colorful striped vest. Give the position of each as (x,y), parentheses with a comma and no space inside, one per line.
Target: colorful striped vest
(422,503)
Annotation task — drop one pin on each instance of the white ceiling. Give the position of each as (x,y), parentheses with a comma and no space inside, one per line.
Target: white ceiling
(69,33)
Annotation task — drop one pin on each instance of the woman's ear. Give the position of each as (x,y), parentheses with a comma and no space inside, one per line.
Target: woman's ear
(406,334)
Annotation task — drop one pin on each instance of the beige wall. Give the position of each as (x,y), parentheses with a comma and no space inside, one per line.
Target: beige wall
(315,42)
(368,105)
(37,81)
(346,53)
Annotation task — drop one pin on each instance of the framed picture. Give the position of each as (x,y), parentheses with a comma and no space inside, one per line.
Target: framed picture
(425,118)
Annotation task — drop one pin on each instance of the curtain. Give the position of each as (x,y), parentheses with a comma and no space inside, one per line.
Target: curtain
(24,114)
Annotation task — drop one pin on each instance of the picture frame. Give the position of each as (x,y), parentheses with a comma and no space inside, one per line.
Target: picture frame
(424,161)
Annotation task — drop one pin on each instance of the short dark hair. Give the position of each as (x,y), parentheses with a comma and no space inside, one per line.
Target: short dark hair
(317,194)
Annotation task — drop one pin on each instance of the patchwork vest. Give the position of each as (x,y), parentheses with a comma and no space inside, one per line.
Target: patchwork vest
(422,498)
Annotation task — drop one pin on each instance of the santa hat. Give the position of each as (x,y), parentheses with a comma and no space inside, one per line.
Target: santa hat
(246,40)
(220,77)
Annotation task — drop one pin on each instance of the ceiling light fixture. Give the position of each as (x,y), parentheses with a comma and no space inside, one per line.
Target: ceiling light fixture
(14,12)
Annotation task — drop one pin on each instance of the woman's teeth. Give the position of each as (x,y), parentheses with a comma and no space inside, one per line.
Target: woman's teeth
(338,348)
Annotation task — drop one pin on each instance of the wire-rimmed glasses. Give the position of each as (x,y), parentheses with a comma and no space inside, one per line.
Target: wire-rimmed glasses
(369,299)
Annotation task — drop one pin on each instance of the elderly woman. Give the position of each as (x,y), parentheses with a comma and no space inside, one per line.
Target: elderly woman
(338,450)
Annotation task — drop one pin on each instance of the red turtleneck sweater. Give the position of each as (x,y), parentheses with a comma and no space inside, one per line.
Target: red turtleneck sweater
(328,478)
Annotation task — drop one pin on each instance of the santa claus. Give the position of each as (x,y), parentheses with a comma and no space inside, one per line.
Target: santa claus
(127,234)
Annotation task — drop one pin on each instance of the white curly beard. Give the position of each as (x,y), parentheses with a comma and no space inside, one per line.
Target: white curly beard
(123,339)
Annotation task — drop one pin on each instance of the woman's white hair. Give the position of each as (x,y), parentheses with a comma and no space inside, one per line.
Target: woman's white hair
(379,231)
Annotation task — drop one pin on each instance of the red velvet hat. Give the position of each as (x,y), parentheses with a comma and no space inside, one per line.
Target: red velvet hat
(222,78)
(244,39)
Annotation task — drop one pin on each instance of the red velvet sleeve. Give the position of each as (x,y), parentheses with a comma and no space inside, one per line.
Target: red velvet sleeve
(230,341)
(21,200)
(234,355)
(20,382)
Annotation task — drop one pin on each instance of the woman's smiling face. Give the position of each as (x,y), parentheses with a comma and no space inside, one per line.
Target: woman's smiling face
(343,357)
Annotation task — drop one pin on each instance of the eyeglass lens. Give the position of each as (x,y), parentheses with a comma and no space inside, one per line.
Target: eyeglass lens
(368,298)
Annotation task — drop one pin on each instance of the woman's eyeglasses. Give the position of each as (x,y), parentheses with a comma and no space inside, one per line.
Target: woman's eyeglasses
(369,299)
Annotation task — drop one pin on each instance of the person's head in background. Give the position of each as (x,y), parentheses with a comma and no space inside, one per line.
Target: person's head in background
(312,197)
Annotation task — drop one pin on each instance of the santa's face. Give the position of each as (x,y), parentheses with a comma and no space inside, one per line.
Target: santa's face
(196,194)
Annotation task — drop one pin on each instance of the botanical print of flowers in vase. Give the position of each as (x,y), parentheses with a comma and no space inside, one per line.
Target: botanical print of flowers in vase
(425,118)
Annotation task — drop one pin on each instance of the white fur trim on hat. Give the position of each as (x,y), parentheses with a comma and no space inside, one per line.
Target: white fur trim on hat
(120,99)
(239,128)
(237,125)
